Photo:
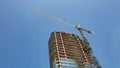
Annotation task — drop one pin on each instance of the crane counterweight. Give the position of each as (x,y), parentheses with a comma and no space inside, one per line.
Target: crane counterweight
(79,28)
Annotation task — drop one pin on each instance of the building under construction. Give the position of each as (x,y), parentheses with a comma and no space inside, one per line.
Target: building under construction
(68,50)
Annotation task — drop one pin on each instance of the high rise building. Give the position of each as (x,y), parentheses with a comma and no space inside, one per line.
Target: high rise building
(67,50)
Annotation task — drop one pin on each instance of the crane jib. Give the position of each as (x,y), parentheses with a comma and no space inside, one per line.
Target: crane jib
(64,21)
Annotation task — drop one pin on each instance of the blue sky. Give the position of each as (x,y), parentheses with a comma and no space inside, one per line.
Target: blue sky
(24,34)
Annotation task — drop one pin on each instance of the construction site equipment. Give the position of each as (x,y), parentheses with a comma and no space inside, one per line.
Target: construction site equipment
(85,44)
(66,22)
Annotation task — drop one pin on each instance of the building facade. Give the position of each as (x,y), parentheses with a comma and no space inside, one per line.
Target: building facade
(67,50)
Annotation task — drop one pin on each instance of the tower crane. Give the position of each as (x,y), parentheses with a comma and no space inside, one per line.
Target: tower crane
(78,27)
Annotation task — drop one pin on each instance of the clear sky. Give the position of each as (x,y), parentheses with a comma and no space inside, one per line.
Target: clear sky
(24,34)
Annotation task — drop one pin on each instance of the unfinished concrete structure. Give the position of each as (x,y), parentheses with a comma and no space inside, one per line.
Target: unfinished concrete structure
(69,51)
